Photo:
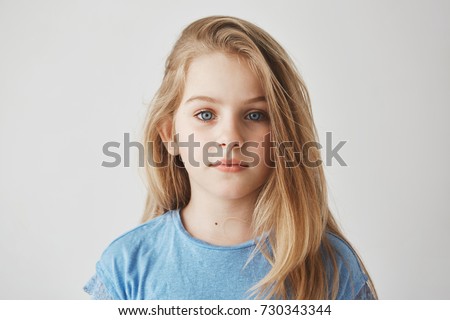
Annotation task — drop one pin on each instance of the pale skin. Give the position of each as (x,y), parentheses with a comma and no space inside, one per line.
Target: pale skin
(223,102)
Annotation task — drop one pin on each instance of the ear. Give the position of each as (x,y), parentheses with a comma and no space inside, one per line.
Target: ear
(165,130)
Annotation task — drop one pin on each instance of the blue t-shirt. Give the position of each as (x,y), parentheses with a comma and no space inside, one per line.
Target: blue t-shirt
(161,260)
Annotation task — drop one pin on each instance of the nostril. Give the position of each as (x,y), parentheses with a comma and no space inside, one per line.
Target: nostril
(231,144)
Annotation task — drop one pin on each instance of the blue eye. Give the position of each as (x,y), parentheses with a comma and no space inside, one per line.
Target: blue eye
(256,116)
(204,115)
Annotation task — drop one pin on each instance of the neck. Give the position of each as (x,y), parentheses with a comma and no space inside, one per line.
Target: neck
(222,222)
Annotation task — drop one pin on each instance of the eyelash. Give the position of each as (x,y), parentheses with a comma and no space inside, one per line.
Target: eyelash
(264,116)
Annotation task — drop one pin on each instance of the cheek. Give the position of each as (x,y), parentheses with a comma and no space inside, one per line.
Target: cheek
(191,149)
(267,150)
(256,150)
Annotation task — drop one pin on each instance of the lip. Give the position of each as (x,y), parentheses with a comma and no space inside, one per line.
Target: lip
(230,165)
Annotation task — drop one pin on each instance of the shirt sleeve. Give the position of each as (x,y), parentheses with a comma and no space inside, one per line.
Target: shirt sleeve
(352,279)
(365,293)
(96,289)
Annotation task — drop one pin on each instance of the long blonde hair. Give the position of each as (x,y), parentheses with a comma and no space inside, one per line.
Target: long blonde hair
(292,206)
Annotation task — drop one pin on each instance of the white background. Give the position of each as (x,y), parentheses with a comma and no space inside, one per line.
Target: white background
(77,74)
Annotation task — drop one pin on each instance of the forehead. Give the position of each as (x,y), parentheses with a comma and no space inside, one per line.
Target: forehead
(223,76)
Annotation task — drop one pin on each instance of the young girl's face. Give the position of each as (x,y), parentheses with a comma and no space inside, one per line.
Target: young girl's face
(223,107)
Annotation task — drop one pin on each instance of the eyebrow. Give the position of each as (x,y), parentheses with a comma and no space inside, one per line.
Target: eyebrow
(212,100)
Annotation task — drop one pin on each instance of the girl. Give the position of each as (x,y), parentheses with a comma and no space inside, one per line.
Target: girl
(237,201)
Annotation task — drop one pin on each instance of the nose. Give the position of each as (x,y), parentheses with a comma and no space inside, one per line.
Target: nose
(230,135)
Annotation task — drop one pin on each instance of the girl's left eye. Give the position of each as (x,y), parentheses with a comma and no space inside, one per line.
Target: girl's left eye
(256,116)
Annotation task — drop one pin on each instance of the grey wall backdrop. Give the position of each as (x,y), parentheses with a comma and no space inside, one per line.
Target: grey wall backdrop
(77,74)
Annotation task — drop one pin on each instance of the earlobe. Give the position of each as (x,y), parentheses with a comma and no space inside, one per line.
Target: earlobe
(165,131)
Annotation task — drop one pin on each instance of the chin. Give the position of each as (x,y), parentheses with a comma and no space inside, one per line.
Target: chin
(233,193)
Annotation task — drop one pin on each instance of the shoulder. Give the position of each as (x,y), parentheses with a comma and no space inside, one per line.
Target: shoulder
(135,237)
(351,275)
(342,248)
(129,252)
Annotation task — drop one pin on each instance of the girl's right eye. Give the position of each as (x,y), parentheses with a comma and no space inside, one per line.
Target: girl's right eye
(204,115)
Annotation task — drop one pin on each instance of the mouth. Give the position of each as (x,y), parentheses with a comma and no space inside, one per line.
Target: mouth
(230,163)
(230,166)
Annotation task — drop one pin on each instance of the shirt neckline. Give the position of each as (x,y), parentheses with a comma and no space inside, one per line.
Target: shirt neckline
(177,221)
